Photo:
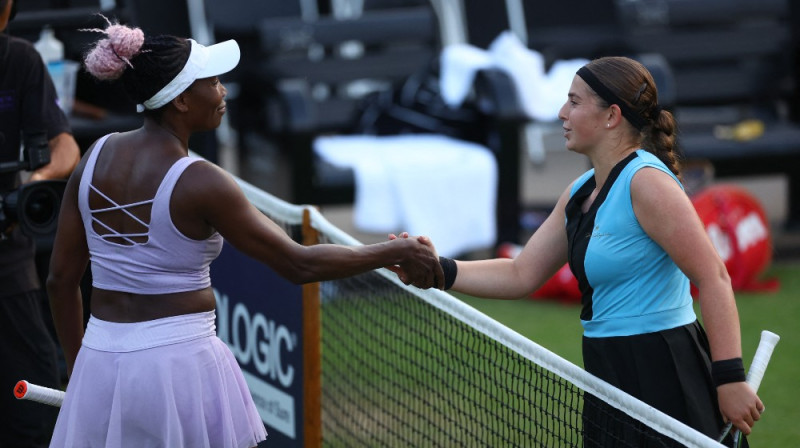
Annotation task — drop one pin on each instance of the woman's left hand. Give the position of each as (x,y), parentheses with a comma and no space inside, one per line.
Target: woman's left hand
(740,405)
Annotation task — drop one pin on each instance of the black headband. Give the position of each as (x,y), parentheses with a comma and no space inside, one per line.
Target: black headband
(606,94)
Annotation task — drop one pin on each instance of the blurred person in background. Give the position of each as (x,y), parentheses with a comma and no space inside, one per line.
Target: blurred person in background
(28,104)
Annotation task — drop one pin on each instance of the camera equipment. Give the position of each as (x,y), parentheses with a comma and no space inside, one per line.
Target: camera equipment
(33,206)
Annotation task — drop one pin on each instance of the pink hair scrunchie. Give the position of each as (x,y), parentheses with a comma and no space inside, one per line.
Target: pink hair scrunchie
(111,56)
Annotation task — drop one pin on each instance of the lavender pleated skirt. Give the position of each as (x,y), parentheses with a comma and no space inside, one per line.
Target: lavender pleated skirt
(163,383)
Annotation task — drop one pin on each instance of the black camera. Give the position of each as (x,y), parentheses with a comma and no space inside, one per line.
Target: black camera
(33,206)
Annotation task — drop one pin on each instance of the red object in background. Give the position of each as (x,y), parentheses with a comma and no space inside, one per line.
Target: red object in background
(562,286)
(737,225)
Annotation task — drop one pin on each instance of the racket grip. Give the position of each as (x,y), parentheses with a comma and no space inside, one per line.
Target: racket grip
(756,373)
(761,358)
(27,391)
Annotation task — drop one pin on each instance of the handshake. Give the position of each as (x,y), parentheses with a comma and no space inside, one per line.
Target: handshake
(422,268)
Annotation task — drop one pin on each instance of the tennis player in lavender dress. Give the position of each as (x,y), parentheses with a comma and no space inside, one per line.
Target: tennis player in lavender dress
(149,370)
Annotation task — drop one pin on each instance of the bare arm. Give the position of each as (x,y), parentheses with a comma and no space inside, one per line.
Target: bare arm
(502,278)
(669,218)
(214,196)
(64,156)
(68,263)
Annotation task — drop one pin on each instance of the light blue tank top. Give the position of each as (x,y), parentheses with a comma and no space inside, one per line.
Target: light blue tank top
(160,260)
(630,285)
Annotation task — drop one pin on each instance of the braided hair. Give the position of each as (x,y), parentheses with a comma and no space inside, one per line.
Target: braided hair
(630,81)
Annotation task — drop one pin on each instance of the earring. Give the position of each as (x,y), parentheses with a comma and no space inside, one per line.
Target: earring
(608,124)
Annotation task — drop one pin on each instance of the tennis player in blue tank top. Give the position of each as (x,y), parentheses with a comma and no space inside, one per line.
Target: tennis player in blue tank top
(630,285)
(634,242)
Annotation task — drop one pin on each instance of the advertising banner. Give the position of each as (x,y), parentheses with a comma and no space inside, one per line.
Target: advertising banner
(259,316)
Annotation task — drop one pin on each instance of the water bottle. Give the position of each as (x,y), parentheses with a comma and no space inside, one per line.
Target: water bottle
(63,72)
(51,49)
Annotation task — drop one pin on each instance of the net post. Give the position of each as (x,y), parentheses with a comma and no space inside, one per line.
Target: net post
(312,355)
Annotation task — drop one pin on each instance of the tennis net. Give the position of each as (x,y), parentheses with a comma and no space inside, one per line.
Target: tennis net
(406,367)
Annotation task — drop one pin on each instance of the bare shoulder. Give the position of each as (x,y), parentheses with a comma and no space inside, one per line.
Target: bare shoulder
(204,177)
(659,202)
(77,173)
(653,188)
(206,184)
(649,180)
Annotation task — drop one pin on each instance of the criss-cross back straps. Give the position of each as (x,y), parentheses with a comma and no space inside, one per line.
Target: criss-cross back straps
(124,208)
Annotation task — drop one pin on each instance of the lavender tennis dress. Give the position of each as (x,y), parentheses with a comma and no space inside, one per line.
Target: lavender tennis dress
(167,382)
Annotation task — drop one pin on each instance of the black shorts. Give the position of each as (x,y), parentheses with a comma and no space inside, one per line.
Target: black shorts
(669,370)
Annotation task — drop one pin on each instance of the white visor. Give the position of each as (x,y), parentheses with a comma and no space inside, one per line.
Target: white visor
(203,62)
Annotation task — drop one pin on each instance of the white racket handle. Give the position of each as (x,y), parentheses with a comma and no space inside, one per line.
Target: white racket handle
(756,373)
(760,360)
(27,391)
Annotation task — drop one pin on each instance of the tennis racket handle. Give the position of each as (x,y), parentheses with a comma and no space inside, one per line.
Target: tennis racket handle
(757,368)
(27,391)
(761,358)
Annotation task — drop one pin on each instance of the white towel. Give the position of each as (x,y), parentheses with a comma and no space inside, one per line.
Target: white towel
(424,184)
(459,63)
(541,93)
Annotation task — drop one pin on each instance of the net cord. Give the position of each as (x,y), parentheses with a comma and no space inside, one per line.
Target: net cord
(532,351)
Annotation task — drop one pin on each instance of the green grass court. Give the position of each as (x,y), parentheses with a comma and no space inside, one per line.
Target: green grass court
(556,326)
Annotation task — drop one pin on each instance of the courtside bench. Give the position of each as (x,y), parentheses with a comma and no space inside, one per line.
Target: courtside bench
(324,77)
(729,61)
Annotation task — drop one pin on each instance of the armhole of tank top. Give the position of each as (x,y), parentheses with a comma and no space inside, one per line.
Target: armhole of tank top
(173,175)
(88,172)
(642,165)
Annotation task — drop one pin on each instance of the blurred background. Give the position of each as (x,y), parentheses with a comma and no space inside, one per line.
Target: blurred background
(312,69)
(728,70)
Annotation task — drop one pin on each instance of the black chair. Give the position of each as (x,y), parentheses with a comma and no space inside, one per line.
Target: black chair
(730,61)
(320,77)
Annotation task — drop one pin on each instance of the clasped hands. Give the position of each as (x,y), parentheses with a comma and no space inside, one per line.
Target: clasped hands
(422,269)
